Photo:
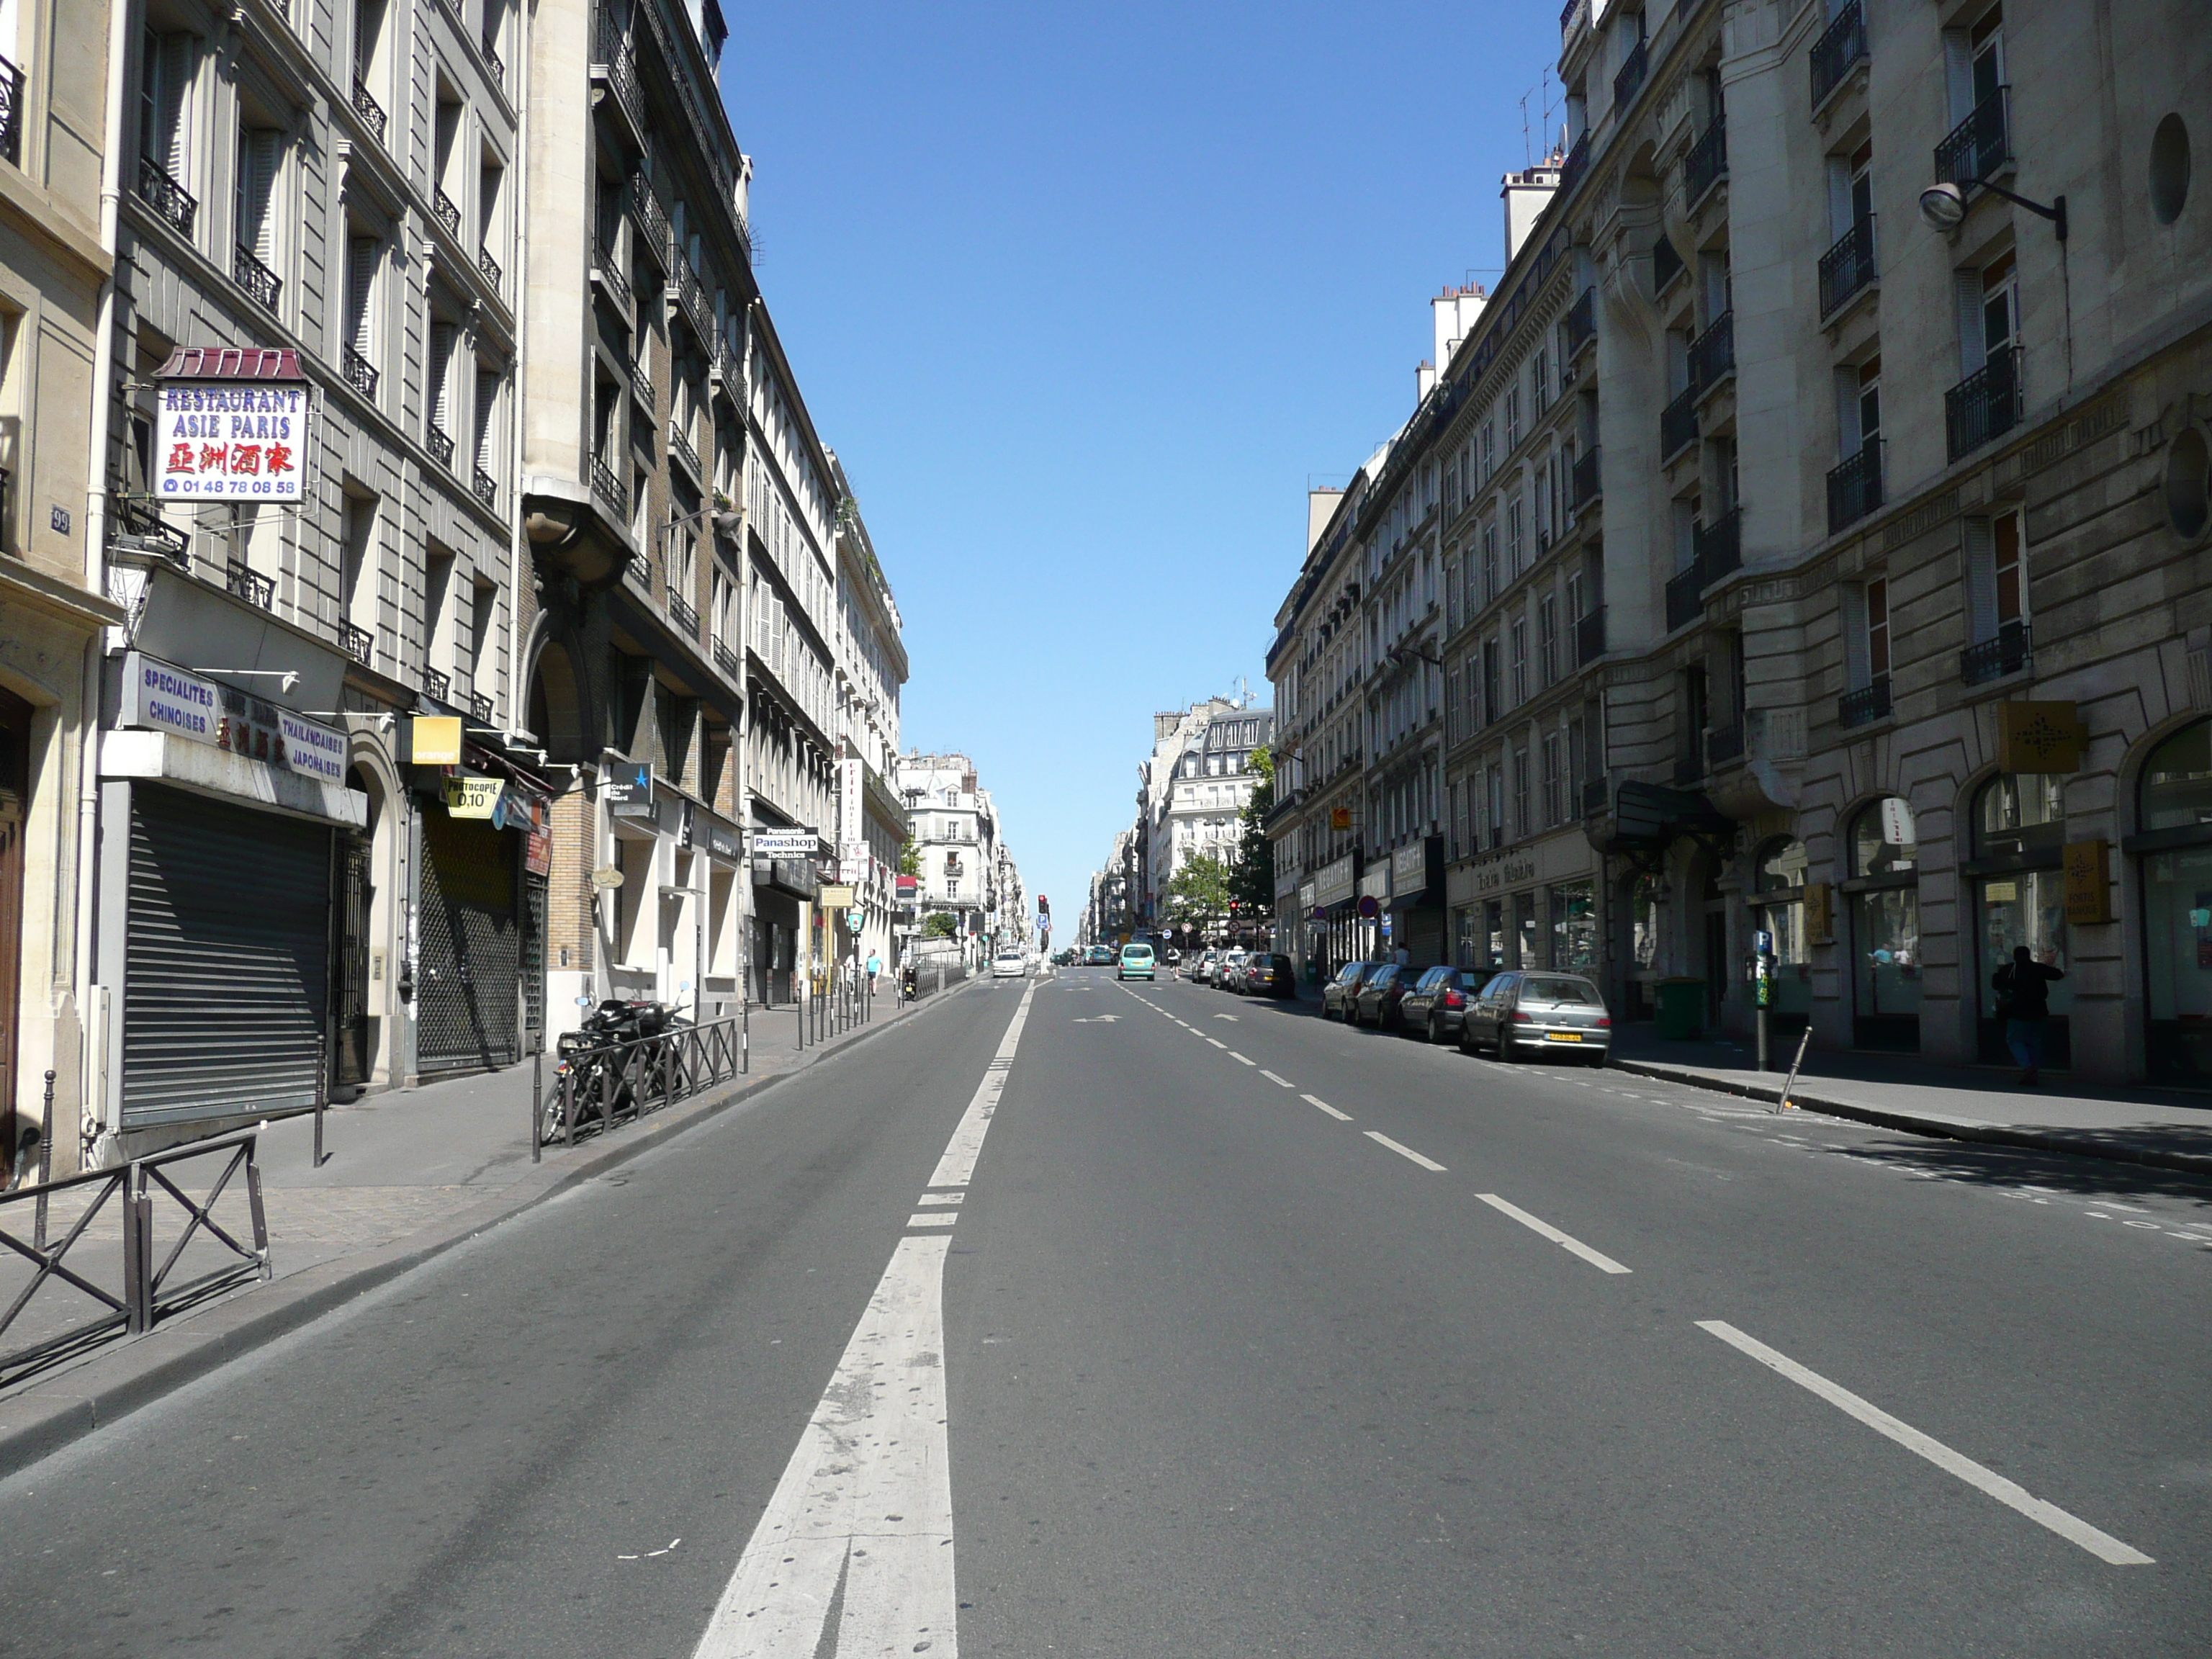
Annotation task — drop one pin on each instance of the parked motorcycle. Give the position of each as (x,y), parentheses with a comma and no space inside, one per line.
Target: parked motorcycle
(620,1052)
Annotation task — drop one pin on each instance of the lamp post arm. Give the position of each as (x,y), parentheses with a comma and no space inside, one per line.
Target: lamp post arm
(2056,212)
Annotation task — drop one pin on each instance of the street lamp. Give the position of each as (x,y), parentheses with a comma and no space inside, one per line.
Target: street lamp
(1944,206)
(727,519)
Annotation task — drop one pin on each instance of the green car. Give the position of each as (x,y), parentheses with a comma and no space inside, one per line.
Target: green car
(1136,962)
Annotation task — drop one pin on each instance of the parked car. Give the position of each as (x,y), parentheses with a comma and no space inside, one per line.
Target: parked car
(1225,975)
(1207,962)
(1516,1016)
(1136,962)
(1436,1005)
(1273,974)
(1380,994)
(1337,996)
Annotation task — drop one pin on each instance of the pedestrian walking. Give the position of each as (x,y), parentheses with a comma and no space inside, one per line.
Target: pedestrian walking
(2023,988)
(875,967)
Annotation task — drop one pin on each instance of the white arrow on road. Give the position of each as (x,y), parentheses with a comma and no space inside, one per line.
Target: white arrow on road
(1231,1019)
(1100,1019)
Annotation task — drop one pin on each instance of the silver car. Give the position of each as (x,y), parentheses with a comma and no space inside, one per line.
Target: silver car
(1518,1015)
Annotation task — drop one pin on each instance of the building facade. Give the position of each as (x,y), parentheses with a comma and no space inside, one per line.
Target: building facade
(954,830)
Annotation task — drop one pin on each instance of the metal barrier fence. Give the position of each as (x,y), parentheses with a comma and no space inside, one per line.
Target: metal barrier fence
(148,1293)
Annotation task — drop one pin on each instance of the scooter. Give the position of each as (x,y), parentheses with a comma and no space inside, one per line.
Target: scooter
(620,1052)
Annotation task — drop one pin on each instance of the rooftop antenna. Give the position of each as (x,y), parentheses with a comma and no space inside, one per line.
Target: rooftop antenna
(1527,160)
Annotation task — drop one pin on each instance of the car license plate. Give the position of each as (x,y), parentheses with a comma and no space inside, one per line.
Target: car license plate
(1562,1037)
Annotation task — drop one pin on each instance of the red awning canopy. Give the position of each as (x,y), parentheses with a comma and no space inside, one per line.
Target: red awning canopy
(232,364)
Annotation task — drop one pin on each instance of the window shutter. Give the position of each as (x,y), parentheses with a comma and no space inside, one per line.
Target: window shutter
(441,367)
(1966,287)
(1847,435)
(1856,672)
(487,405)
(361,287)
(1959,73)
(257,177)
(174,105)
(1978,551)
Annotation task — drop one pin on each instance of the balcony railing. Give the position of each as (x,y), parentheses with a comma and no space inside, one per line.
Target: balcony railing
(1683,604)
(1580,325)
(1724,743)
(1665,265)
(1712,354)
(489,267)
(360,372)
(1628,79)
(728,660)
(448,215)
(1986,404)
(494,62)
(1993,659)
(1678,424)
(612,57)
(683,612)
(641,384)
(1585,481)
(1576,164)
(1843,45)
(359,644)
(1855,488)
(1589,637)
(609,488)
(1848,267)
(680,447)
(141,520)
(487,489)
(171,203)
(1574,14)
(371,112)
(1978,145)
(262,285)
(1706,164)
(440,445)
(606,270)
(480,707)
(651,218)
(1870,703)
(250,584)
(1720,546)
(438,685)
(11,113)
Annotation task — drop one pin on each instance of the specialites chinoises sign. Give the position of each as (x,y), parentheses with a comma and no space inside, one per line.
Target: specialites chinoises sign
(232,426)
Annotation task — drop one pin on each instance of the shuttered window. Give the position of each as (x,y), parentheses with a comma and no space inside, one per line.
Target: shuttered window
(487,411)
(361,293)
(441,369)
(258,154)
(1978,551)
(165,102)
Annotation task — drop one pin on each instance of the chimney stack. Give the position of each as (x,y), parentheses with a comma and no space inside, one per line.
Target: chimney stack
(1525,194)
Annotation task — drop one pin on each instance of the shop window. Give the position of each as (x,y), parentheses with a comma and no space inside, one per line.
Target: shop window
(1574,928)
(1779,897)
(2174,804)
(1528,939)
(2019,898)
(1884,914)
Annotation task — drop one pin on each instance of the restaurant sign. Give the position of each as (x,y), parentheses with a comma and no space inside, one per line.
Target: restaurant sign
(161,697)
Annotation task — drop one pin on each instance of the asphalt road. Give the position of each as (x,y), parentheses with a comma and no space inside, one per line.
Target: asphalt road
(1246,1335)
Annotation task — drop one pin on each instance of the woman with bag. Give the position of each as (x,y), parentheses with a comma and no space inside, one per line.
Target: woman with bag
(2023,988)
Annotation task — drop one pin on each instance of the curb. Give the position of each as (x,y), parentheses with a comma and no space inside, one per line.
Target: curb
(2078,1143)
(114,1383)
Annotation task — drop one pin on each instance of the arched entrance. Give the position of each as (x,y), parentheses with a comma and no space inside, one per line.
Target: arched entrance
(2172,848)
(1883,904)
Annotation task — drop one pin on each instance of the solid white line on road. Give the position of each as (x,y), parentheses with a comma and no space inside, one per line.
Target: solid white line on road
(1272,1077)
(1238,1058)
(1381,1139)
(1604,1262)
(1311,1100)
(865,1502)
(932,1218)
(2102,1545)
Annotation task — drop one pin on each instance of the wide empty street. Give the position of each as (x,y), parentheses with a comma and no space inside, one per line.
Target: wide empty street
(1074,1317)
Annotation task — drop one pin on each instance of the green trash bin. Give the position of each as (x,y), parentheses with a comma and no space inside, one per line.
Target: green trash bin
(1681,1008)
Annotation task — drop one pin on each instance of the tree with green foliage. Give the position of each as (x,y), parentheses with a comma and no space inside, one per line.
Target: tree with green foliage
(1198,893)
(1252,880)
(910,859)
(940,924)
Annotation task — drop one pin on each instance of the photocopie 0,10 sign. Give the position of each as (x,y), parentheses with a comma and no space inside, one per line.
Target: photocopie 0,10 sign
(220,441)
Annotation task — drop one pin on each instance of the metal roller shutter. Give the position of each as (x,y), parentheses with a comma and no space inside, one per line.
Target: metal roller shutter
(226,972)
(472,947)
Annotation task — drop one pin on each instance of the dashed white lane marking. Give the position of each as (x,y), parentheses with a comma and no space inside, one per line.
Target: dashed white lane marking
(865,1501)
(932,1218)
(1575,1246)
(2102,1545)
(940,1198)
(1341,1117)
(1239,1059)
(1381,1139)
(1272,1077)
(1216,1042)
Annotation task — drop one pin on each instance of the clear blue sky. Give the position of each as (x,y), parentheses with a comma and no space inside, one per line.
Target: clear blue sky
(1085,297)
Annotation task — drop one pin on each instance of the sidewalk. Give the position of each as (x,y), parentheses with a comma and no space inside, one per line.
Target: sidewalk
(2162,1127)
(407,1175)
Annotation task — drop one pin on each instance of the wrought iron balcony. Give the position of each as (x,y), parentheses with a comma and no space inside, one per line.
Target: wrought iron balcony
(651,217)
(680,447)
(440,445)
(489,267)
(1576,164)
(1574,14)
(1589,637)
(1986,404)
(1585,481)
(1870,703)
(1706,164)
(448,215)
(360,645)
(1580,327)
(250,584)
(11,113)
(2010,651)
(728,660)
(1678,424)
(440,686)
(1628,79)
(1724,743)
(486,488)
(683,612)
(1712,354)
(611,58)
(480,707)
(606,271)
(1841,45)
(1978,145)
(1665,265)
(1684,605)
(360,372)
(1848,267)
(1855,488)
(141,520)
(171,203)
(1720,546)
(609,488)
(371,112)
(641,384)
(262,285)
(494,62)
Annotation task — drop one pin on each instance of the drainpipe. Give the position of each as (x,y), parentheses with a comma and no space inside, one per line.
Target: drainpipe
(95,553)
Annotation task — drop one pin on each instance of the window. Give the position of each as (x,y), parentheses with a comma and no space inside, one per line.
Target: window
(1513,555)
(1885,926)
(487,413)
(1554,811)
(439,371)
(1547,641)
(362,253)
(1492,698)
(259,150)
(1489,582)
(1494,780)
(1512,417)
(1989,312)
(1539,382)
(1521,818)
(1489,449)
(1519,636)
(1997,577)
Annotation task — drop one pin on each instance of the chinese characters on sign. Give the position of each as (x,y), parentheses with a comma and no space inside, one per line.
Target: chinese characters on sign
(220,441)
(165,698)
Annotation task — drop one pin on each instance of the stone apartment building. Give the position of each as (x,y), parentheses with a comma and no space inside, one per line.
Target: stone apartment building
(954,830)
(1887,649)
(871,668)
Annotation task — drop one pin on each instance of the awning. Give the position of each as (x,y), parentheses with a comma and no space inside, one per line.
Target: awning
(232,364)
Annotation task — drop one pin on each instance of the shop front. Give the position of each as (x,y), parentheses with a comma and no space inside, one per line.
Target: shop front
(2171,849)
(786,883)
(1371,938)
(1332,915)
(1532,906)
(2019,884)
(1778,910)
(1417,901)
(722,985)
(1881,901)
